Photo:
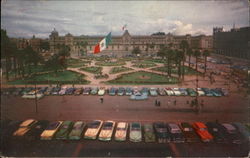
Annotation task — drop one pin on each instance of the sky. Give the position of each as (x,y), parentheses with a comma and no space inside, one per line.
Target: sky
(39,17)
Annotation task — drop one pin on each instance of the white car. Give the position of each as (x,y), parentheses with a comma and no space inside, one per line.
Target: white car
(176,91)
(121,131)
(93,129)
(33,96)
(107,131)
(101,91)
(169,91)
(200,92)
(135,134)
(63,90)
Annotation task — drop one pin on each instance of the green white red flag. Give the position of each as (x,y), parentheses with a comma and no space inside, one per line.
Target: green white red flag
(103,44)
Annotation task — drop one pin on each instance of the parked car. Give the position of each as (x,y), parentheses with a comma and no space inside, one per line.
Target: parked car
(70,91)
(32,96)
(139,96)
(121,91)
(149,133)
(243,130)
(24,127)
(94,90)
(36,130)
(153,92)
(191,92)
(42,90)
(161,91)
(64,130)
(136,92)
(27,90)
(135,134)
(176,91)
(201,130)
(50,131)
(77,131)
(200,92)
(78,91)
(216,92)
(162,133)
(86,91)
(112,91)
(169,91)
(128,91)
(216,130)
(93,129)
(183,91)
(101,91)
(107,131)
(48,91)
(144,91)
(207,92)
(63,90)
(189,133)
(121,131)
(55,90)
(175,133)
(233,136)
(224,91)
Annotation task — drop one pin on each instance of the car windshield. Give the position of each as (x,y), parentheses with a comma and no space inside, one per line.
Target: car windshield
(65,126)
(78,126)
(94,124)
(53,126)
(135,126)
(107,125)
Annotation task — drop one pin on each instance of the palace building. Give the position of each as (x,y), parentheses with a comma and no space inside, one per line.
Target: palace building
(124,45)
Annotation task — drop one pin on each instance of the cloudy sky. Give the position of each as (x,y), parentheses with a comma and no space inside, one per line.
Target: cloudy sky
(40,17)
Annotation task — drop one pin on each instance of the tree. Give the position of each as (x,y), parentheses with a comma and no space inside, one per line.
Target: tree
(184,46)
(189,53)
(205,54)
(197,53)
(45,45)
(136,51)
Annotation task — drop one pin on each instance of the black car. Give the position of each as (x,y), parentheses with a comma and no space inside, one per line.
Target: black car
(189,133)
(216,130)
(232,134)
(176,134)
(42,90)
(35,132)
(162,133)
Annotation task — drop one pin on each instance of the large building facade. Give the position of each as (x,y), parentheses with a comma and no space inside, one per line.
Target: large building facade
(124,45)
(233,43)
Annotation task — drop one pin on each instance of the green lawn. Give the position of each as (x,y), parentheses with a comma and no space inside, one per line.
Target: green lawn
(101,63)
(143,77)
(188,71)
(63,77)
(73,63)
(115,70)
(92,69)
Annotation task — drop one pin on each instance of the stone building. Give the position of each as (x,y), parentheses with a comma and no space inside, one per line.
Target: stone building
(124,45)
(233,43)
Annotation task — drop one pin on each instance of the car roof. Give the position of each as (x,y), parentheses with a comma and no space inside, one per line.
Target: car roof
(121,125)
(200,124)
(27,122)
(229,126)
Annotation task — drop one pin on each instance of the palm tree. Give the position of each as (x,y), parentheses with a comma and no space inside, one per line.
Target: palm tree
(205,54)
(197,53)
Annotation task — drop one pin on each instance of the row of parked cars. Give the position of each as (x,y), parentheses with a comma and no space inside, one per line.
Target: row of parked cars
(41,91)
(161,132)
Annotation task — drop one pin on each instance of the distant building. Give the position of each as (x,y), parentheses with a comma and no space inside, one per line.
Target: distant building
(233,43)
(123,45)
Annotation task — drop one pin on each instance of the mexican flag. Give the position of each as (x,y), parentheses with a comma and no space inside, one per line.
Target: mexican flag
(103,44)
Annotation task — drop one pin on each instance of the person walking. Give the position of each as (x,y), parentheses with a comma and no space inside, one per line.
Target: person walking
(159,103)
(101,99)
(174,102)
(156,102)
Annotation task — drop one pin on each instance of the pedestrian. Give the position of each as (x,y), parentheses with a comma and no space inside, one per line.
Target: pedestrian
(159,103)
(187,101)
(101,99)
(156,102)
(174,102)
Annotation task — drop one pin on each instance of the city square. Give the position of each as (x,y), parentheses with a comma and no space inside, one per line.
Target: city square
(124,75)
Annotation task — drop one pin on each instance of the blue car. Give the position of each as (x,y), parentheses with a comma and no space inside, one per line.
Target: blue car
(112,91)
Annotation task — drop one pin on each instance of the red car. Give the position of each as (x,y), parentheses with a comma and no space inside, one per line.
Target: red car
(201,130)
